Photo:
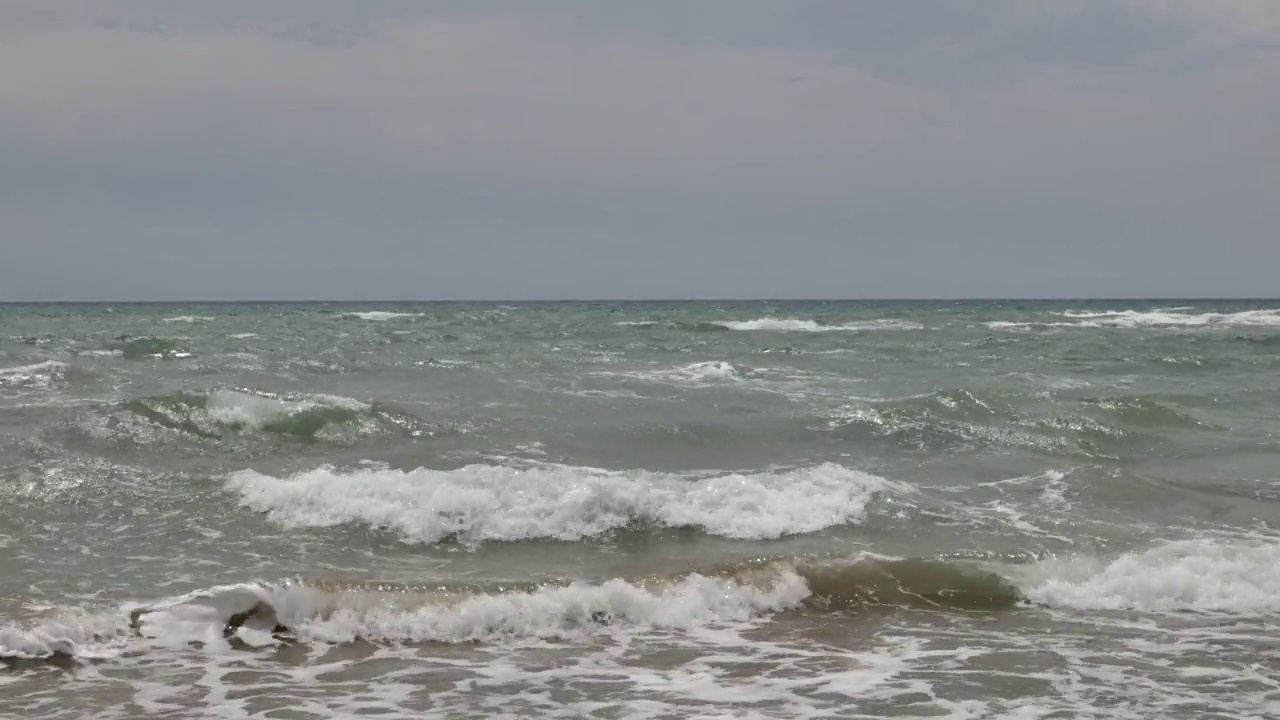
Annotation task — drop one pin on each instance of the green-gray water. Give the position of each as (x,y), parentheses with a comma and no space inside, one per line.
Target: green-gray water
(755,509)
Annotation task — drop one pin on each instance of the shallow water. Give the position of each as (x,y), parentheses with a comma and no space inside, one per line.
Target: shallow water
(606,510)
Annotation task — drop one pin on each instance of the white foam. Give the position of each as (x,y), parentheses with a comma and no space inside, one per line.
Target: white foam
(316,613)
(1170,317)
(796,325)
(698,373)
(493,503)
(379,315)
(76,634)
(547,612)
(1206,575)
(187,319)
(253,411)
(243,336)
(1006,324)
(38,374)
(173,623)
(1135,318)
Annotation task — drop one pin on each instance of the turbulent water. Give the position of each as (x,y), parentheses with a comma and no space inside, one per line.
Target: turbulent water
(630,510)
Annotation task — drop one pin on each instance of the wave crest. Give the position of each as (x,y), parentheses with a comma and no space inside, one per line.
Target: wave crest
(227,413)
(37,375)
(1203,575)
(343,612)
(796,325)
(481,503)
(150,348)
(1167,318)
(381,315)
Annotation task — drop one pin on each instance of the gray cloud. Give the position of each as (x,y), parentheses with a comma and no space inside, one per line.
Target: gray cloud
(488,149)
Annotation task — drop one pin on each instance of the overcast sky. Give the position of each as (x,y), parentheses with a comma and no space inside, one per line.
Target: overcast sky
(317,149)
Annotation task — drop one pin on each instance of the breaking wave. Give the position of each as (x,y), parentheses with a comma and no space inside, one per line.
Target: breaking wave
(226,413)
(1171,317)
(37,375)
(796,325)
(1203,576)
(380,315)
(481,503)
(187,319)
(149,347)
(341,612)
(699,373)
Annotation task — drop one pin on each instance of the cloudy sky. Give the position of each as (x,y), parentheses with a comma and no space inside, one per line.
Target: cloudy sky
(317,149)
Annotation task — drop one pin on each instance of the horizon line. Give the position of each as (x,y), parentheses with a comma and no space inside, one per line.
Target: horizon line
(313,301)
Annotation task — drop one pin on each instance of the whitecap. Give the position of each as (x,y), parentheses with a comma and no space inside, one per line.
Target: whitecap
(698,373)
(380,315)
(1206,575)
(798,325)
(39,374)
(187,319)
(232,407)
(329,613)
(1169,318)
(481,503)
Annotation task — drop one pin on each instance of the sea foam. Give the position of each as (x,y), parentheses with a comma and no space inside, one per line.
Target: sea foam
(316,613)
(1204,575)
(380,315)
(1169,318)
(481,503)
(797,325)
(187,319)
(39,374)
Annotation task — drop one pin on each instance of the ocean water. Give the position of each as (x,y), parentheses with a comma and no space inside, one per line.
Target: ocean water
(641,510)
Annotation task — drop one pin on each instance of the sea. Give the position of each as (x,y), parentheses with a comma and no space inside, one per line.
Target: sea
(978,509)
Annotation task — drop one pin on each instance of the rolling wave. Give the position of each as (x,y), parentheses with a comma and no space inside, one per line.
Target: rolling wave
(1232,577)
(961,419)
(1166,318)
(480,503)
(797,325)
(150,348)
(1199,575)
(228,413)
(187,319)
(37,375)
(381,315)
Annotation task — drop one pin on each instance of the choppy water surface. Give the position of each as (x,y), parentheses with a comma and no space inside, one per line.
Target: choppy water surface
(773,510)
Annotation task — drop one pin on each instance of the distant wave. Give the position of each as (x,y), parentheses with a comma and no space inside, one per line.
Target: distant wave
(961,419)
(776,324)
(481,503)
(699,373)
(149,348)
(187,319)
(224,414)
(1171,317)
(380,315)
(797,325)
